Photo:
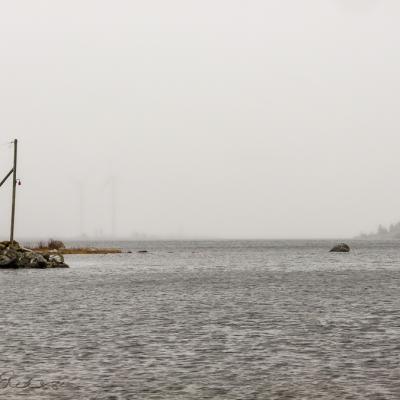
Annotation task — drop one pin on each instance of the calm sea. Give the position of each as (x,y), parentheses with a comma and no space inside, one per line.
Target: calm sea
(206,320)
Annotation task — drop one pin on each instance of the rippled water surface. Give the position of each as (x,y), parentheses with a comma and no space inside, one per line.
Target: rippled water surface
(206,320)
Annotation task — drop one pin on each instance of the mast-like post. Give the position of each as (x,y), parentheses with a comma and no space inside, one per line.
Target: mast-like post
(14,191)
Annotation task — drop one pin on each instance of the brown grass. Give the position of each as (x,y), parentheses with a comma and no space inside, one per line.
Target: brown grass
(79,250)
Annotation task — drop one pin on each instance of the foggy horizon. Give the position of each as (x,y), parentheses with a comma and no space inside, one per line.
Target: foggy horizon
(270,119)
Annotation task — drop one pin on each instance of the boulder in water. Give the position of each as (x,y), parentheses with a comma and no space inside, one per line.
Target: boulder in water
(341,248)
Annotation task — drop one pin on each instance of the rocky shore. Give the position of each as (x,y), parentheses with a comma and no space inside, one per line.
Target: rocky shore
(12,255)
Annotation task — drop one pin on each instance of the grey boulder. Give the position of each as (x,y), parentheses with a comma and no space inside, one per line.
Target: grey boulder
(341,248)
(7,262)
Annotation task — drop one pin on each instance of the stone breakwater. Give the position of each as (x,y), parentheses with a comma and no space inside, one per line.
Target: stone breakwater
(12,255)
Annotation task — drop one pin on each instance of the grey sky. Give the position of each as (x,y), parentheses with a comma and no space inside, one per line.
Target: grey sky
(219,118)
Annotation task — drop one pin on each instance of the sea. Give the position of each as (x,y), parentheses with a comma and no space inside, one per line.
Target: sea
(243,320)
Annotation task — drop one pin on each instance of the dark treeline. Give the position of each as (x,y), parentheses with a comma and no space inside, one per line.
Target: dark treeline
(392,232)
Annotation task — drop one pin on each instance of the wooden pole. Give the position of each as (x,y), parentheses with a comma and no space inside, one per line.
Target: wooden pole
(113,207)
(14,191)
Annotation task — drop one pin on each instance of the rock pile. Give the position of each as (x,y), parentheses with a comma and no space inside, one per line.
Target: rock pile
(12,255)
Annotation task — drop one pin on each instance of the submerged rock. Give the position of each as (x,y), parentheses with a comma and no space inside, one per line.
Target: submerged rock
(341,248)
(12,255)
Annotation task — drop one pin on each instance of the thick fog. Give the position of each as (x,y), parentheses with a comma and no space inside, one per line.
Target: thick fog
(213,118)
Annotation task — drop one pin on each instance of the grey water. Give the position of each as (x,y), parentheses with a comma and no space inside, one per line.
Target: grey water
(206,320)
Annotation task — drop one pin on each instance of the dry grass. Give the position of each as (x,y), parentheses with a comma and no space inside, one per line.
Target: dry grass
(90,250)
(79,250)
